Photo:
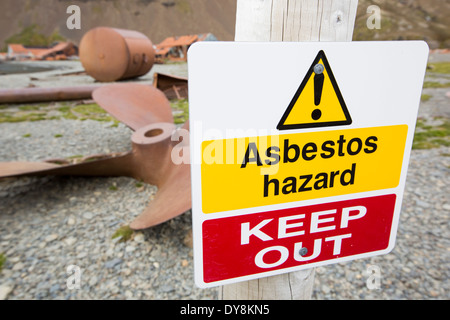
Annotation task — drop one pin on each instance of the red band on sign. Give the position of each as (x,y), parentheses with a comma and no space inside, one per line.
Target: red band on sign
(260,242)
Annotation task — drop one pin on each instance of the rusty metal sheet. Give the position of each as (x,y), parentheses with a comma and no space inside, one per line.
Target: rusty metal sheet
(173,87)
(136,105)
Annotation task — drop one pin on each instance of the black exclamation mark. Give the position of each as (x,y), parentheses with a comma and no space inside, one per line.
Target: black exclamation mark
(318,87)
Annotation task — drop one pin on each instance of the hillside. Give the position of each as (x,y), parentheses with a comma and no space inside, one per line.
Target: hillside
(427,20)
(401,19)
(157,19)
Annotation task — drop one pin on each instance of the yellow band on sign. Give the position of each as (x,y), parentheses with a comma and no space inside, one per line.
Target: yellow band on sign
(257,171)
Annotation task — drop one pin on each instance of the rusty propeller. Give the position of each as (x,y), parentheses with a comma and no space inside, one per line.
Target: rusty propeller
(146,111)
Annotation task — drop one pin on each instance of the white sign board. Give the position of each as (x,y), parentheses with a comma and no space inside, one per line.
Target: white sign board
(299,152)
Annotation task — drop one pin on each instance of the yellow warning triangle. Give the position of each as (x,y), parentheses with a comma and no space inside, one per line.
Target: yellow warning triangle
(318,101)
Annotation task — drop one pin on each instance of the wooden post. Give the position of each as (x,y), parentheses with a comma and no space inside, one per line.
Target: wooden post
(288,20)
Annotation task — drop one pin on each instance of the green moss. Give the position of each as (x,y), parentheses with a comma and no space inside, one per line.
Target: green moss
(30,107)
(91,111)
(433,84)
(66,113)
(58,135)
(21,116)
(27,135)
(439,67)
(180,110)
(183,6)
(428,137)
(97,9)
(115,124)
(60,110)
(88,109)
(425,97)
(124,232)
(2,260)
(138,184)
(77,156)
(32,36)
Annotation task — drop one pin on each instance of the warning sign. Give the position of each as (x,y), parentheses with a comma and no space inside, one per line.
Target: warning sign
(299,152)
(318,101)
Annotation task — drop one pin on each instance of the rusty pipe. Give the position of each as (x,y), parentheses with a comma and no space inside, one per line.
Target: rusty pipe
(46,94)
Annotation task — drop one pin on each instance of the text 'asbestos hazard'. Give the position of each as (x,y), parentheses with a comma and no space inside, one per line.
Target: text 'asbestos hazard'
(250,172)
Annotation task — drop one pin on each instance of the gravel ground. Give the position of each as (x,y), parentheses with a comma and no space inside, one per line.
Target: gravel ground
(48,224)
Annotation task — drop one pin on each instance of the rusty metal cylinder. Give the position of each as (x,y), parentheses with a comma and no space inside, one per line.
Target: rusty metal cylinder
(110,54)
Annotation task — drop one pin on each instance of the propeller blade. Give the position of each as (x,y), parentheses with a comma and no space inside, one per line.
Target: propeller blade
(99,165)
(14,169)
(147,111)
(174,185)
(136,105)
(172,199)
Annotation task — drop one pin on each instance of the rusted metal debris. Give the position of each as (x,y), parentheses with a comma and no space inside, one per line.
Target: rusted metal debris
(149,159)
(36,94)
(110,54)
(175,48)
(60,51)
(172,86)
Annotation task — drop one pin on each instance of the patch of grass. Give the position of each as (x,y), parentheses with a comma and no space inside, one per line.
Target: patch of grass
(26,135)
(428,137)
(124,232)
(32,36)
(2,260)
(88,109)
(425,97)
(115,124)
(77,156)
(183,6)
(180,110)
(97,9)
(58,135)
(60,110)
(92,111)
(21,116)
(138,184)
(439,67)
(66,113)
(30,107)
(434,84)
(421,124)
(113,186)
